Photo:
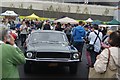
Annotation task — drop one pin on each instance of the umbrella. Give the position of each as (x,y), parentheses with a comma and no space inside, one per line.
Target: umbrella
(32,16)
(114,22)
(9,13)
(98,22)
(89,20)
(66,20)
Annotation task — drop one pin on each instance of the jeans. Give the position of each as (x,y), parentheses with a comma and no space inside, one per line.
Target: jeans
(23,38)
(93,55)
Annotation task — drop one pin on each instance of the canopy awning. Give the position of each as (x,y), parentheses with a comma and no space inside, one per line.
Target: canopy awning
(32,16)
(113,22)
(98,22)
(89,20)
(9,13)
(66,20)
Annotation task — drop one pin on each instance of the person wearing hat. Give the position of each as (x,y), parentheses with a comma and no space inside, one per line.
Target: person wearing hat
(95,38)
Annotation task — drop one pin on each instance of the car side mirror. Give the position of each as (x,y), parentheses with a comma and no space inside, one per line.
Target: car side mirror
(72,47)
(70,43)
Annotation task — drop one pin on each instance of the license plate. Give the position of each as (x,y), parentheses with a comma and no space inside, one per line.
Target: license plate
(52,64)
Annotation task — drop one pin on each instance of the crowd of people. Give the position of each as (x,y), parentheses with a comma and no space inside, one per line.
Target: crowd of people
(78,35)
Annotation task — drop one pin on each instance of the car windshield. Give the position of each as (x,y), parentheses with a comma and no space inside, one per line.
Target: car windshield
(47,37)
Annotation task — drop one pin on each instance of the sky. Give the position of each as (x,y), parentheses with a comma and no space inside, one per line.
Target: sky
(61,0)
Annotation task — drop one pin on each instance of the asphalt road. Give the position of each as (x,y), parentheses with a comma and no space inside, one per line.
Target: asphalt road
(41,73)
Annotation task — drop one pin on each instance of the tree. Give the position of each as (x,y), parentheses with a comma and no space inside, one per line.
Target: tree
(21,5)
(59,9)
(68,8)
(86,11)
(106,12)
(50,8)
(78,9)
(30,7)
(12,5)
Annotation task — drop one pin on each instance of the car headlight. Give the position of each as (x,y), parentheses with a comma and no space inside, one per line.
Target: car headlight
(29,55)
(76,56)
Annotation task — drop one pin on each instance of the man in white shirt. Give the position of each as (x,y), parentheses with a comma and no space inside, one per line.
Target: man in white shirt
(95,38)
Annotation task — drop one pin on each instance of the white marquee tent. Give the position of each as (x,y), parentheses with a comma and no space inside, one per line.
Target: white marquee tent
(9,13)
(66,20)
(89,20)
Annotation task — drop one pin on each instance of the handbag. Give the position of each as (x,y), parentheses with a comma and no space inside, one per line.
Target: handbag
(111,74)
(90,47)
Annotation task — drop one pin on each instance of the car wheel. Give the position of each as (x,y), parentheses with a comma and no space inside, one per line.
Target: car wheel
(27,67)
(73,68)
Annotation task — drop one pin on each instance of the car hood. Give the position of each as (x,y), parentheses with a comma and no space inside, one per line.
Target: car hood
(48,47)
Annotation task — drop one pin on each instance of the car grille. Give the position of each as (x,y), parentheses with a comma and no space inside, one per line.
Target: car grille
(52,55)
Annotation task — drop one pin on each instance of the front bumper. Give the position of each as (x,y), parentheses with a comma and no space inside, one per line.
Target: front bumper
(52,60)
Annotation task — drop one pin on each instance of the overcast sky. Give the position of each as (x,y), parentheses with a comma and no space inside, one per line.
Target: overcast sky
(61,0)
(84,0)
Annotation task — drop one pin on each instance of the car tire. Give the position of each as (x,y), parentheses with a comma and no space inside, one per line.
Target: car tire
(73,68)
(27,68)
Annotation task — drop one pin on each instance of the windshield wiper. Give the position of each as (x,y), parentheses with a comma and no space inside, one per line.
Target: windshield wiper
(43,41)
(53,41)
(47,42)
(56,42)
(39,42)
(34,42)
